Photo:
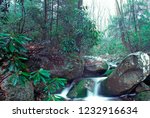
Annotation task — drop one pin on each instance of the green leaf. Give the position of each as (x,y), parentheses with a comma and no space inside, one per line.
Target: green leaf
(43,80)
(23,58)
(4,35)
(53,97)
(12,47)
(28,39)
(11,67)
(14,79)
(25,74)
(44,73)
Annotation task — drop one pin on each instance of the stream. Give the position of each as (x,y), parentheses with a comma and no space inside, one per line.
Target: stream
(92,96)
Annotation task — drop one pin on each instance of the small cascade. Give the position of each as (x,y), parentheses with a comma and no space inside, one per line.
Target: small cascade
(92,96)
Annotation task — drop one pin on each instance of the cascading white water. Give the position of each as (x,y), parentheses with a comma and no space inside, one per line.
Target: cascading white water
(92,96)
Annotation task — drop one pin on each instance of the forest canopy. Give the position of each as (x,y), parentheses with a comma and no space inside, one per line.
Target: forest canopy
(61,23)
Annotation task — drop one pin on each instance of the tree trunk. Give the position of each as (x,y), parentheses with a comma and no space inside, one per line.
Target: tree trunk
(57,19)
(80,3)
(51,19)
(15,2)
(45,21)
(80,24)
(22,21)
(122,28)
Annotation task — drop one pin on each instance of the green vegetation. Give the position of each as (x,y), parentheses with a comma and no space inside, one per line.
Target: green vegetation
(65,30)
(12,61)
(62,24)
(129,30)
(132,25)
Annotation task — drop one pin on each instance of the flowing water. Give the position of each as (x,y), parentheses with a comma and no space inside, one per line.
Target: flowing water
(92,96)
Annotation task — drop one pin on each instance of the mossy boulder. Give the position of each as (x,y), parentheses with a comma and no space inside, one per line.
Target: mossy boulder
(80,89)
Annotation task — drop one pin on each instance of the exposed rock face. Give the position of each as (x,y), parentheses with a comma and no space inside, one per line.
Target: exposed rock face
(130,72)
(79,89)
(143,96)
(18,92)
(69,67)
(94,66)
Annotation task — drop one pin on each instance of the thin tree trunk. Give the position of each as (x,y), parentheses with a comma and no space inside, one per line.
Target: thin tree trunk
(15,9)
(45,21)
(23,16)
(122,28)
(22,20)
(80,24)
(57,19)
(51,20)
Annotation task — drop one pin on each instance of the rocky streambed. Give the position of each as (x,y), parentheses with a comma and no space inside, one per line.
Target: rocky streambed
(89,78)
(130,80)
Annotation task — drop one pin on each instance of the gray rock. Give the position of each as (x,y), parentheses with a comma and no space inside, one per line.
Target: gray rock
(94,66)
(130,72)
(18,92)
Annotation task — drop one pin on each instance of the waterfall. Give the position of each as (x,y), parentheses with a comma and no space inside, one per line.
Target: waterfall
(92,96)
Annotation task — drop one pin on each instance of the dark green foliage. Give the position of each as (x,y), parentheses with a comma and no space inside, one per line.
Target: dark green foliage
(55,84)
(12,62)
(40,76)
(54,98)
(51,85)
(80,33)
(12,56)
(67,27)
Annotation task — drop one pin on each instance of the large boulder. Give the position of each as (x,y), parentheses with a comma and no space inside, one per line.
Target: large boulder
(94,66)
(16,93)
(67,66)
(130,72)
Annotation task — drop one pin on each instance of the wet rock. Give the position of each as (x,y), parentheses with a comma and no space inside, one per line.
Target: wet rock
(66,66)
(130,72)
(94,66)
(18,92)
(80,89)
(143,96)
